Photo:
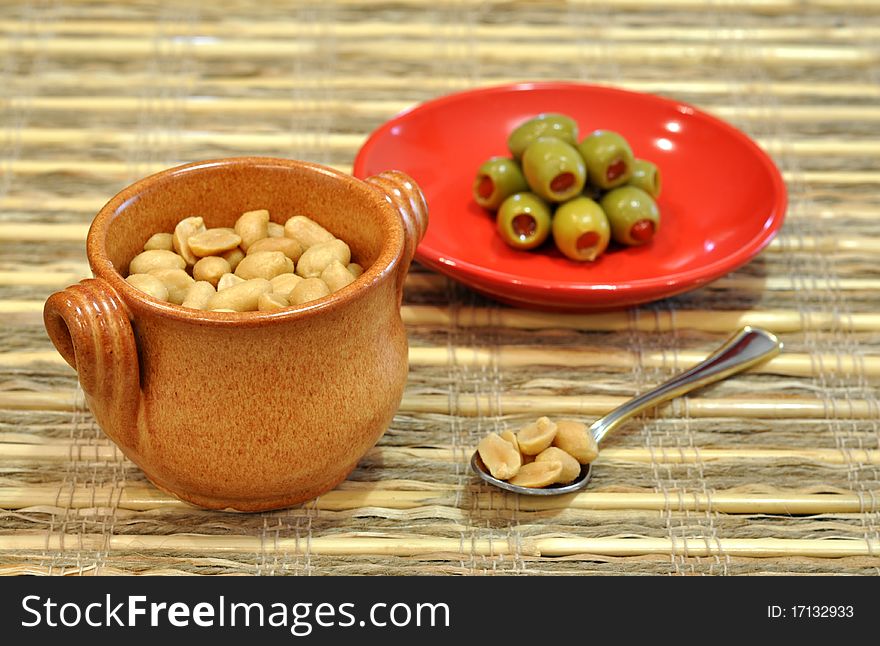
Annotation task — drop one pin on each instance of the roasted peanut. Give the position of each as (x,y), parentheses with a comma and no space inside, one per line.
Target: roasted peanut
(537,474)
(228,280)
(306,231)
(575,439)
(499,456)
(212,242)
(211,268)
(252,226)
(198,295)
(537,436)
(264,264)
(193,261)
(283,284)
(243,297)
(509,436)
(316,258)
(233,257)
(336,276)
(149,285)
(146,261)
(288,246)
(177,281)
(164,241)
(185,229)
(571,468)
(270,301)
(309,289)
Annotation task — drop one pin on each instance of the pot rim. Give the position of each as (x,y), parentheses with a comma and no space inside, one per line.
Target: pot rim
(381,269)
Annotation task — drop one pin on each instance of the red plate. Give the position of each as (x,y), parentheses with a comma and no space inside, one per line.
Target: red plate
(722,197)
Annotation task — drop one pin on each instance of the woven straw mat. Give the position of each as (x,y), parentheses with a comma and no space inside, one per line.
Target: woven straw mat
(775,471)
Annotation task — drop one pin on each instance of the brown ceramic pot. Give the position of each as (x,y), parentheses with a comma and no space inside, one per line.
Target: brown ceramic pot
(256,410)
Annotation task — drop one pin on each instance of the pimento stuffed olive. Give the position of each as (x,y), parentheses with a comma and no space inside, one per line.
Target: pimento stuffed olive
(553,169)
(580,229)
(497,179)
(633,215)
(544,125)
(598,189)
(608,157)
(646,176)
(523,220)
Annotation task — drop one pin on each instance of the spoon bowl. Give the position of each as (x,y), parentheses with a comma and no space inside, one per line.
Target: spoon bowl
(748,347)
(553,490)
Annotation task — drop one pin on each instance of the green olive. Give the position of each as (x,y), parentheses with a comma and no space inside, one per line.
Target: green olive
(497,179)
(544,125)
(608,157)
(523,220)
(646,176)
(580,229)
(633,215)
(554,169)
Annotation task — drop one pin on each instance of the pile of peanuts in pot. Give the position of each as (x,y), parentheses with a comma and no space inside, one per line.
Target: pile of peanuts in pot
(540,454)
(258,265)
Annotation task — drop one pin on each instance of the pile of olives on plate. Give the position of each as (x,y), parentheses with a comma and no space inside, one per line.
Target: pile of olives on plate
(584,193)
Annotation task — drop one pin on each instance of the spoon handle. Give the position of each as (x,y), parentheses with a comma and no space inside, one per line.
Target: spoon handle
(743,350)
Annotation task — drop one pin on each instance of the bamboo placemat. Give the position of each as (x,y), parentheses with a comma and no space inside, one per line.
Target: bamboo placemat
(773,472)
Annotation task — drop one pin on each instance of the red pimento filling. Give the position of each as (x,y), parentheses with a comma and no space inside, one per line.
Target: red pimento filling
(615,170)
(643,230)
(562,182)
(587,240)
(486,187)
(524,226)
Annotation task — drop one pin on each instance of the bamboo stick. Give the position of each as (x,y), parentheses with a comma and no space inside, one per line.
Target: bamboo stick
(719,321)
(144,498)
(11,306)
(109,169)
(430,282)
(370,29)
(789,363)
(215,105)
(26,231)
(108,82)
(752,6)
(125,170)
(387,108)
(42,278)
(476,405)
(349,143)
(419,50)
(424,282)
(64,451)
(455,547)
(338,142)
(391,545)
(44,203)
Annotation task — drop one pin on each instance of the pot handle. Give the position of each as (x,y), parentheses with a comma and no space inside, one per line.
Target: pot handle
(90,328)
(404,194)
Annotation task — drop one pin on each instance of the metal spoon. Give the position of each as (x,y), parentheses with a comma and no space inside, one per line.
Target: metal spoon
(743,350)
